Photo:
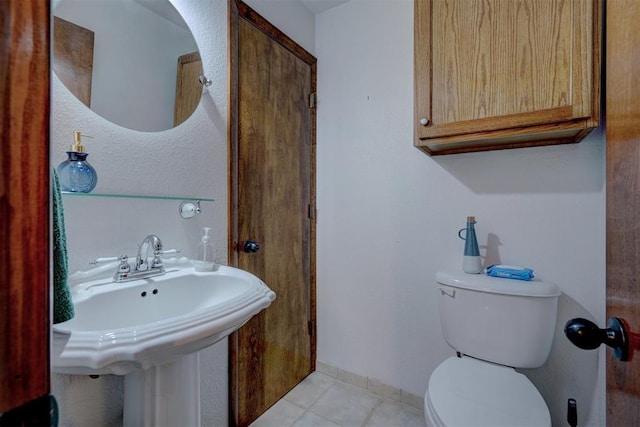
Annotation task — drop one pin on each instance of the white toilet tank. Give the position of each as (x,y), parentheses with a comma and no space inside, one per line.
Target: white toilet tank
(505,321)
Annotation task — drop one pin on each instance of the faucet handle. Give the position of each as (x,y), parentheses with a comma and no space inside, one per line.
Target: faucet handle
(124,266)
(169,252)
(104,259)
(156,262)
(123,269)
(157,257)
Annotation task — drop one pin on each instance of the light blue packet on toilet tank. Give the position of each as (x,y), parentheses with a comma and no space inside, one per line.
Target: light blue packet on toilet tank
(510,272)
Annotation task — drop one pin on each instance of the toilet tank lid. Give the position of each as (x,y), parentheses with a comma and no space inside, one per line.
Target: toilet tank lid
(497,285)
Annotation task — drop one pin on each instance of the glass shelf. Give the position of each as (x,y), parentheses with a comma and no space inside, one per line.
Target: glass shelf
(137,196)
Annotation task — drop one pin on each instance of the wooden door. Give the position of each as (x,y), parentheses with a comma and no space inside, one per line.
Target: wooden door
(188,87)
(273,197)
(73,57)
(490,74)
(623,201)
(24,204)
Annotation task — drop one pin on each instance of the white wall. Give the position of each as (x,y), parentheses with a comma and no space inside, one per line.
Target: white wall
(190,160)
(388,216)
(290,17)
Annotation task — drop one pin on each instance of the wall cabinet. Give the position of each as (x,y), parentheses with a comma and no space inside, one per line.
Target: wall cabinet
(497,74)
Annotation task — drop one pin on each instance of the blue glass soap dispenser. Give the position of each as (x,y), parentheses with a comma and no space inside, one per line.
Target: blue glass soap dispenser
(75,173)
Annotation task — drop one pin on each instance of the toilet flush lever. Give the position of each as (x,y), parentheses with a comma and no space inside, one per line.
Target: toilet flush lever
(450,293)
(618,335)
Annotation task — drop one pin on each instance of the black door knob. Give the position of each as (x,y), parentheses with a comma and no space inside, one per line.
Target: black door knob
(249,246)
(585,334)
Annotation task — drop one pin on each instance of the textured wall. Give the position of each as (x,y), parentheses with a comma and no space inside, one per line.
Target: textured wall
(190,160)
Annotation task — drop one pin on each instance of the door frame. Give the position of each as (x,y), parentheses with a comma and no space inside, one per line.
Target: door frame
(237,10)
(623,201)
(24,204)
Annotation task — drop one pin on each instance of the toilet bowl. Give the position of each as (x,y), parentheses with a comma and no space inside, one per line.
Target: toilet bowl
(469,392)
(495,325)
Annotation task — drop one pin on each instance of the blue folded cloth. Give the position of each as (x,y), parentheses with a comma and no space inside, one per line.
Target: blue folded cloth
(510,272)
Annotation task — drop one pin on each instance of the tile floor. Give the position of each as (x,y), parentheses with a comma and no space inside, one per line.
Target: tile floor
(323,401)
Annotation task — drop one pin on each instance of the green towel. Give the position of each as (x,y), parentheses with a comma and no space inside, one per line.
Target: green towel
(62,303)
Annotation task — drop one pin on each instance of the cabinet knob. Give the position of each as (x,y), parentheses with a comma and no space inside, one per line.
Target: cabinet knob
(424,121)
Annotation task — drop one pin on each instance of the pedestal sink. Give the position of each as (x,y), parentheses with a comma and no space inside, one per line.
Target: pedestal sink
(150,331)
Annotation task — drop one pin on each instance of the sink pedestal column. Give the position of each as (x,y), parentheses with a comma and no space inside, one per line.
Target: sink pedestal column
(166,395)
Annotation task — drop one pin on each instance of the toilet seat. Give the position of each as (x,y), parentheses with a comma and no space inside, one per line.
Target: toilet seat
(469,392)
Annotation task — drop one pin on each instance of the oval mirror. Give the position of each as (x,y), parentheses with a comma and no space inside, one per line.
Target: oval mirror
(133,62)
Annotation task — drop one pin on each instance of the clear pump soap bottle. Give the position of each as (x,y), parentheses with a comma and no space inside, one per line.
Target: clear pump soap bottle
(75,173)
(206,252)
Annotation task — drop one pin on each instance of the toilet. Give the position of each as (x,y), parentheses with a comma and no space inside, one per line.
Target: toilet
(495,325)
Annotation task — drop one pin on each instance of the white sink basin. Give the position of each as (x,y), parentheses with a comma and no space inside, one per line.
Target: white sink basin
(120,327)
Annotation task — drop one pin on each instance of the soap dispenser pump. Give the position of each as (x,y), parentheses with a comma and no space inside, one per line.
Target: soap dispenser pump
(206,252)
(75,173)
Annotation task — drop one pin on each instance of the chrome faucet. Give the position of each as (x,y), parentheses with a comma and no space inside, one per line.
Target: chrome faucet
(142,268)
(142,259)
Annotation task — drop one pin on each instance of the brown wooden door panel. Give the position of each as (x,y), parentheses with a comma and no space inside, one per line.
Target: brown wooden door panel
(188,87)
(73,58)
(272,180)
(24,202)
(623,201)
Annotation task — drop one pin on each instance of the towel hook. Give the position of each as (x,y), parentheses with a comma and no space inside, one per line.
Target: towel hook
(204,80)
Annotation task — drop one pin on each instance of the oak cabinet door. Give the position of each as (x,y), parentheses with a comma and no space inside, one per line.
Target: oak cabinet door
(496,74)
